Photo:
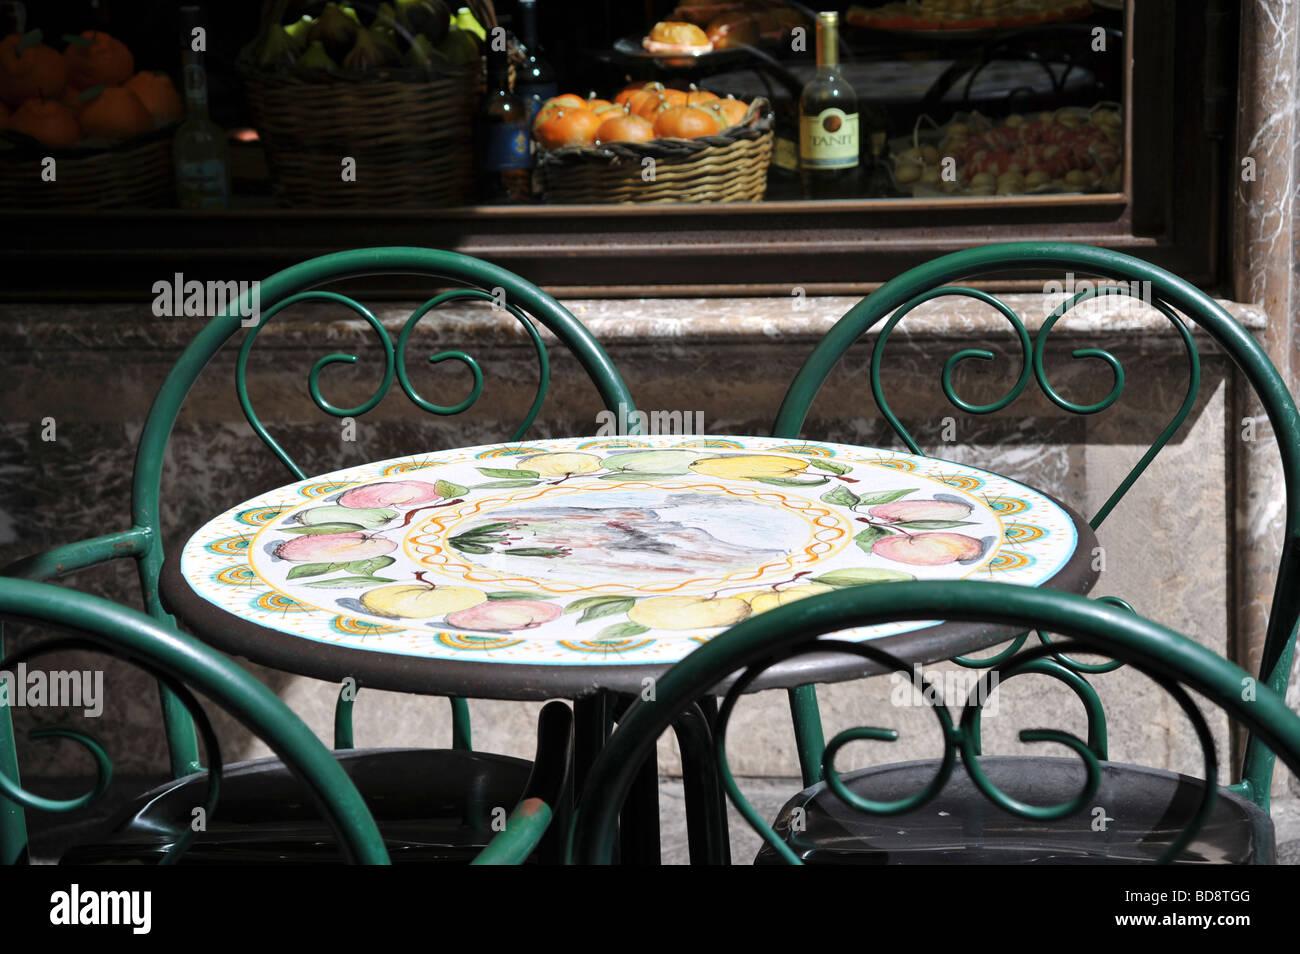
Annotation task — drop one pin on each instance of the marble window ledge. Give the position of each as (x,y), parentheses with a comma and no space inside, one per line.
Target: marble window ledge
(681,320)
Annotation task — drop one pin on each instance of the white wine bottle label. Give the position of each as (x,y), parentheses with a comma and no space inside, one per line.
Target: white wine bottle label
(829,140)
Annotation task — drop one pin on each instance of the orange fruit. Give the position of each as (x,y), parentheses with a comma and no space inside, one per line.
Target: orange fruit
(625,127)
(648,105)
(49,122)
(686,122)
(729,111)
(101,60)
(116,113)
(568,127)
(158,94)
(695,97)
(567,101)
(595,103)
(70,97)
(622,98)
(31,71)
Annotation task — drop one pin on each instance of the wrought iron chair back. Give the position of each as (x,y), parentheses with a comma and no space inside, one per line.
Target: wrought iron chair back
(1168,294)
(521,299)
(181,663)
(1175,662)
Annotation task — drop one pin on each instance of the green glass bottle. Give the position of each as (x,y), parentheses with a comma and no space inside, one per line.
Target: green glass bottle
(199,149)
(829,138)
(502,138)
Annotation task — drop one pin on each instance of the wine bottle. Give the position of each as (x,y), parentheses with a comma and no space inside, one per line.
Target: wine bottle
(199,150)
(828,122)
(535,80)
(502,139)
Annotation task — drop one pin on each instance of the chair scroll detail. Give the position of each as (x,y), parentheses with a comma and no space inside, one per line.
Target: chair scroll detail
(178,661)
(1174,662)
(1178,301)
(143,541)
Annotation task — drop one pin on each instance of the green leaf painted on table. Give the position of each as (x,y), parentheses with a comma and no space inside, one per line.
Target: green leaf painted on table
(448,490)
(622,631)
(787,482)
(326,528)
(835,467)
(368,567)
(506,484)
(867,537)
(606,609)
(310,569)
(535,552)
(344,582)
(518,595)
(935,524)
(371,518)
(485,529)
(464,547)
(589,601)
(506,472)
(860,576)
(840,497)
(883,496)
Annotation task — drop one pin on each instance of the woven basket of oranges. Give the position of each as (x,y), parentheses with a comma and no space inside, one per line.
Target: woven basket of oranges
(81,127)
(392,86)
(652,144)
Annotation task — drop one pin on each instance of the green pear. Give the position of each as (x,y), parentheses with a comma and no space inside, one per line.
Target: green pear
(315,59)
(422,55)
(276,51)
(370,52)
(430,17)
(465,20)
(335,31)
(297,33)
(459,47)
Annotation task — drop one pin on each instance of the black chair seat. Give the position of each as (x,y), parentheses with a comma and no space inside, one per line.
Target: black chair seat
(431,805)
(1146,809)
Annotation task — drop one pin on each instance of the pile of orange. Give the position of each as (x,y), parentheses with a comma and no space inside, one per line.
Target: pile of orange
(641,112)
(88,92)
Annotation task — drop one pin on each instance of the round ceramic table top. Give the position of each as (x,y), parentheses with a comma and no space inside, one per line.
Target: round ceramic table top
(558,567)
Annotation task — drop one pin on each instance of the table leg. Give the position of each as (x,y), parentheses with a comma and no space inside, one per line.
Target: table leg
(706,804)
(591,718)
(639,821)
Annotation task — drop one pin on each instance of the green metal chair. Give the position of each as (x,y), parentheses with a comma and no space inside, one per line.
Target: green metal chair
(1005,810)
(143,540)
(183,664)
(1168,293)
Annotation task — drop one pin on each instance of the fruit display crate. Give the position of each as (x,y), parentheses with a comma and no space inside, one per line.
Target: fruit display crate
(408,131)
(728,167)
(410,140)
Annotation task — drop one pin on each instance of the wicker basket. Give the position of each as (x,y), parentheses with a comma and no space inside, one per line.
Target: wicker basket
(410,134)
(137,174)
(729,167)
